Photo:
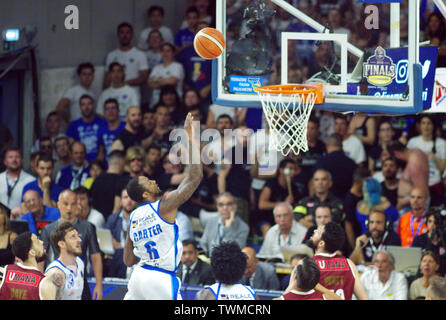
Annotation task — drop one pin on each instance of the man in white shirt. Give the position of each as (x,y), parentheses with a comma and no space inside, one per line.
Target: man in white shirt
(155,15)
(68,106)
(126,95)
(286,232)
(12,181)
(381,281)
(134,60)
(352,146)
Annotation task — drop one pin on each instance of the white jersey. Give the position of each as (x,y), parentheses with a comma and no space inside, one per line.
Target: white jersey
(155,241)
(74,281)
(236,291)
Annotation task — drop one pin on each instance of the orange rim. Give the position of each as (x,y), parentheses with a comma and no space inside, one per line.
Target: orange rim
(288,89)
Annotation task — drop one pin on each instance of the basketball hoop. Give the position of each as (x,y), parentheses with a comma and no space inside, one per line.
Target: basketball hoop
(287,109)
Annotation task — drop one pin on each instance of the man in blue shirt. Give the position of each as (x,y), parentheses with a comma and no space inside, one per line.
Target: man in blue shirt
(114,124)
(185,37)
(37,214)
(86,129)
(75,174)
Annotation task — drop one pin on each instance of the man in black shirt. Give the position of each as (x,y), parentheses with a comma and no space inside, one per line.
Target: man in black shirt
(133,132)
(390,183)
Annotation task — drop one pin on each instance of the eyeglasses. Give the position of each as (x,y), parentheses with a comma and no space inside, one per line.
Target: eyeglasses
(110,108)
(137,159)
(61,145)
(227,204)
(46,146)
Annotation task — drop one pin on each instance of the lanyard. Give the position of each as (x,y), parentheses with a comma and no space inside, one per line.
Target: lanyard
(288,242)
(11,188)
(419,225)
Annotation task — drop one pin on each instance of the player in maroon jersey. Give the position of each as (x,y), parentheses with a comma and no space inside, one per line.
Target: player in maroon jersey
(304,283)
(338,273)
(23,280)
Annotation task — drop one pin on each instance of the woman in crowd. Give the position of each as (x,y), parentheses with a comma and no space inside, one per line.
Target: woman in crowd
(430,262)
(97,167)
(436,32)
(6,237)
(385,136)
(170,98)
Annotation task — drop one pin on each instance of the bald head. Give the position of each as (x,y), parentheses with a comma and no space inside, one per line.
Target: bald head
(67,205)
(418,199)
(251,261)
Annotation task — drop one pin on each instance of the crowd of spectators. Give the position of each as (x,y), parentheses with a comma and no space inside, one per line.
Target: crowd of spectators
(377,177)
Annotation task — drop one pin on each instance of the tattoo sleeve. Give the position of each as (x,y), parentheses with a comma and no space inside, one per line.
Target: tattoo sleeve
(59,283)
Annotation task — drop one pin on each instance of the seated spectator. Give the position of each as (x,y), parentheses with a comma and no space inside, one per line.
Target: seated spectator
(134,158)
(372,198)
(148,121)
(124,94)
(38,215)
(170,99)
(203,7)
(379,235)
(338,164)
(86,211)
(153,53)
(173,173)
(53,131)
(48,190)
(389,186)
(185,37)
(436,289)
(381,281)
(118,224)
(114,124)
(192,99)
(32,169)
(76,173)
(97,167)
(435,148)
(286,232)
(215,149)
(46,146)
(6,140)
(236,115)
(134,60)
(106,189)
(68,106)
(435,32)
(277,190)
(429,264)
(322,183)
(161,132)
(192,270)
(155,15)
(152,162)
(13,180)
(259,274)
(352,145)
(7,237)
(412,223)
(86,129)
(63,152)
(228,264)
(316,147)
(385,136)
(169,72)
(225,227)
(364,128)
(431,240)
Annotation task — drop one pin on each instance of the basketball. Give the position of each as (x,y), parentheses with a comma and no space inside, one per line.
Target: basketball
(209,43)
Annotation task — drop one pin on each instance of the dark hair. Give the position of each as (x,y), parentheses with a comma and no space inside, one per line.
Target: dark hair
(171,46)
(434,131)
(334,140)
(62,138)
(307,274)
(169,89)
(99,163)
(153,146)
(114,64)
(192,9)
(85,65)
(314,119)
(228,262)
(116,154)
(59,233)
(21,245)
(390,159)
(341,116)
(111,100)
(45,158)
(78,142)
(333,236)
(82,190)
(432,254)
(14,149)
(361,174)
(52,114)
(84,96)
(135,190)
(192,242)
(123,25)
(395,146)
(155,8)
(223,116)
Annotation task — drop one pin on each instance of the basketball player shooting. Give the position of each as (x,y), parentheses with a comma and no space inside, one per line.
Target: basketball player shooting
(152,244)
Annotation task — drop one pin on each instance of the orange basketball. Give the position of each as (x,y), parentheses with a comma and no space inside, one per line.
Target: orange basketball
(209,43)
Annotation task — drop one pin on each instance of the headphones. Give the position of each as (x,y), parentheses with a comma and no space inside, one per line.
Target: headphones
(386,222)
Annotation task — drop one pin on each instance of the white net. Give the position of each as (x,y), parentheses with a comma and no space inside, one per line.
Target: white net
(288,118)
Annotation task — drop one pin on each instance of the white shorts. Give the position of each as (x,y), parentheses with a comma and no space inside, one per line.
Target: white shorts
(153,284)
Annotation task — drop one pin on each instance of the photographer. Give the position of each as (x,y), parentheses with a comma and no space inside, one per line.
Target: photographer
(434,239)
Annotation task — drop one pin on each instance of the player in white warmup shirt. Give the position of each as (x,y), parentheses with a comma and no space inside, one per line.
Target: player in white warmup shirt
(152,242)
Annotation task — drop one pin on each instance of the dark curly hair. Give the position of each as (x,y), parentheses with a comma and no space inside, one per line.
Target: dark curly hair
(334,237)
(228,262)
(307,274)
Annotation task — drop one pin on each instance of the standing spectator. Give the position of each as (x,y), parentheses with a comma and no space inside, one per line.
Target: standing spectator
(155,15)
(68,208)
(153,53)
(97,167)
(37,214)
(87,213)
(68,106)
(53,131)
(7,237)
(106,189)
(352,145)
(429,264)
(364,128)
(76,173)
(385,136)
(203,8)
(379,236)
(119,90)
(134,60)
(225,227)
(259,274)
(161,132)
(86,129)
(338,164)
(152,162)
(390,184)
(134,158)
(13,180)
(118,224)
(435,148)
(286,232)
(185,37)
(148,121)
(435,31)
(382,282)
(192,270)
(6,140)
(316,148)
(62,147)
(169,72)
(44,185)
(412,223)
(170,99)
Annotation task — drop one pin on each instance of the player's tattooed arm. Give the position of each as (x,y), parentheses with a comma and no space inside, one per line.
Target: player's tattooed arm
(53,285)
